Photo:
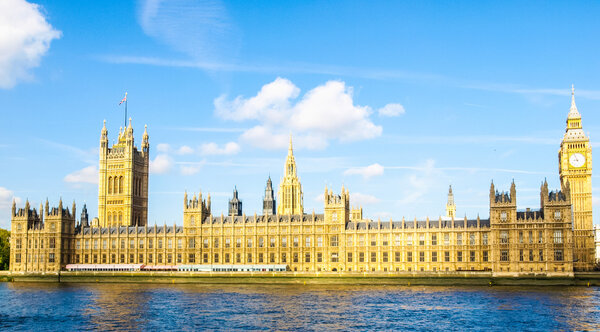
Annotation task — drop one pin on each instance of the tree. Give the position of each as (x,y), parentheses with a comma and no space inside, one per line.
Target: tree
(4,249)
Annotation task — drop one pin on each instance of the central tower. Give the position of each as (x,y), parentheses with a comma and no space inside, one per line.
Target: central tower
(575,167)
(290,190)
(123,180)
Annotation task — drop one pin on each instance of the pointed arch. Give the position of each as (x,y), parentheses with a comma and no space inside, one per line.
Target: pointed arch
(110,185)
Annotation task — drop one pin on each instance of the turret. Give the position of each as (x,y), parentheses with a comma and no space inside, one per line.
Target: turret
(145,144)
(84,217)
(103,140)
(14,208)
(235,204)
(269,203)
(450,206)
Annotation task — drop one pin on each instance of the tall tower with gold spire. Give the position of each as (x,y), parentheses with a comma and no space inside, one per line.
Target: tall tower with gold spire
(123,180)
(290,191)
(575,167)
(450,206)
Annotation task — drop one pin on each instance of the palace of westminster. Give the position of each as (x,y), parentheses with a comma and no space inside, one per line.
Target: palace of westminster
(554,240)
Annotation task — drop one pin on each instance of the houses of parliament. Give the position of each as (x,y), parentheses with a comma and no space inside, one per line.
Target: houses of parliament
(554,239)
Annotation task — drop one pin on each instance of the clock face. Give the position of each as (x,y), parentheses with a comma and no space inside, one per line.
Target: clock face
(577,160)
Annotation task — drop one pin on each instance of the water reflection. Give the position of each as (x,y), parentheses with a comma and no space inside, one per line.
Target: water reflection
(295,307)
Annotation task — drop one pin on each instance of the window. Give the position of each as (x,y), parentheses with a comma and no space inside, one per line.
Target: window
(504,255)
(503,216)
(530,236)
(191,243)
(373,240)
(307,257)
(77,244)
(446,239)
(249,243)
(307,240)
(249,258)
(446,256)
(179,243)
(361,240)
(149,258)
(349,260)
(541,237)
(141,258)
(397,256)
(434,240)
(227,258)
(160,258)
(558,255)
(178,258)
(472,239)
(385,257)
(170,244)
(283,257)
(273,242)
(485,256)
(409,240)
(530,255)
(284,242)
(503,237)
(295,257)
(361,257)
(51,258)
(459,239)
(17,258)
(334,257)
(113,244)
(485,239)
(216,258)
(296,242)
(141,243)
(191,258)
(333,241)
(520,236)
(459,256)
(421,256)
(87,244)
(521,255)
(334,216)
(409,256)
(131,259)
(51,243)
(398,240)
(238,258)
(272,258)
(373,257)
(384,240)
(131,243)
(238,242)
(103,258)
(349,241)
(227,243)
(472,256)
(557,214)
(215,243)
(160,243)
(123,258)
(261,242)
(541,255)
(434,256)
(558,237)
(421,239)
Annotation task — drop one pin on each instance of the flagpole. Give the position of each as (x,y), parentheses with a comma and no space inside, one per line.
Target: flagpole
(125,111)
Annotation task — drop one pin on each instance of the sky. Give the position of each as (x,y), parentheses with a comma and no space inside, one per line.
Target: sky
(393,100)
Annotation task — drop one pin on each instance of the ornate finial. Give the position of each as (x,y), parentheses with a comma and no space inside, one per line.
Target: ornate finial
(129,123)
(104,123)
(290,148)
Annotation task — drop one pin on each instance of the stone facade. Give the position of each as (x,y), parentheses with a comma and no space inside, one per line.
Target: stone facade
(510,242)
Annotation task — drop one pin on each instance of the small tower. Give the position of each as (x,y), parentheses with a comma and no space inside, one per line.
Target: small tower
(235,205)
(84,216)
(337,207)
(450,206)
(290,190)
(269,204)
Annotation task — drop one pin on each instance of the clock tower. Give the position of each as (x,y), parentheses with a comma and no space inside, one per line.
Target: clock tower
(575,167)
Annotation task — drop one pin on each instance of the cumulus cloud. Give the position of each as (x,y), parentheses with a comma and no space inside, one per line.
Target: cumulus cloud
(25,37)
(163,147)
(214,149)
(185,150)
(362,199)
(85,175)
(161,164)
(366,172)
(391,110)
(6,198)
(324,113)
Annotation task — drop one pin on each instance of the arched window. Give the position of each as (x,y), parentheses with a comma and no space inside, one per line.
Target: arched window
(121,185)
(120,216)
(192,221)
(110,185)
(116,185)
(109,218)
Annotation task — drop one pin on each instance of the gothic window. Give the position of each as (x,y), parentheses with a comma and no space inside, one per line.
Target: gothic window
(333,241)
(558,236)
(504,255)
(121,185)
(116,185)
(459,239)
(485,239)
(558,255)
(472,239)
(446,239)
(503,237)
(503,216)
(120,216)
(109,217)
(110,185)
(556,214)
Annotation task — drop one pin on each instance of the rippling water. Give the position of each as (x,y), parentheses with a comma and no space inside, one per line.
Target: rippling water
(26,306)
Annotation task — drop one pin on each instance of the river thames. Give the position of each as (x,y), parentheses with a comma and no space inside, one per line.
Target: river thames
(27,306)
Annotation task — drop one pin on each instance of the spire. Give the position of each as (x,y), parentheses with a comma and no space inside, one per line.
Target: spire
(104,132)
(573,112)
(14,207)
(290,148)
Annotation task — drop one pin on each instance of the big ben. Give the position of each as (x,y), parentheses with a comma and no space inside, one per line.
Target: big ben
(575,168)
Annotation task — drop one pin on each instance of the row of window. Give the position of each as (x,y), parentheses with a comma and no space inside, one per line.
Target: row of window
(529,256)
(36,258)
(33,243)
(557,238)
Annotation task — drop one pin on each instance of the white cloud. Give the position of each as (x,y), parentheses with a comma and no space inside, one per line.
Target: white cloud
(362,199)
(6,198)
(189,170)
(324,113)
(25,37)
(366,172)
(421,182)
(185,150)
(391,110)
(86,175)
(214,149)
(163,147)
(161,164)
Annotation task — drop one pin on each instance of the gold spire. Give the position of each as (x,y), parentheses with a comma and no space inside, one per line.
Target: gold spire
(573,112)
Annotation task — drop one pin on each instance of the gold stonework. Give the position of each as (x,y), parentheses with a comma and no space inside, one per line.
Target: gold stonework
(553,240)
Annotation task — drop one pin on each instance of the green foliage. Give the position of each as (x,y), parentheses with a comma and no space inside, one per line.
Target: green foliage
(4,249)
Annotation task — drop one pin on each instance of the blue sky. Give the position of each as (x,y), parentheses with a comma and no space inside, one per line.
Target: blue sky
(396,101)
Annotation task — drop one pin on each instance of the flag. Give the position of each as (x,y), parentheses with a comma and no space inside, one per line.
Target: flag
(124,99)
